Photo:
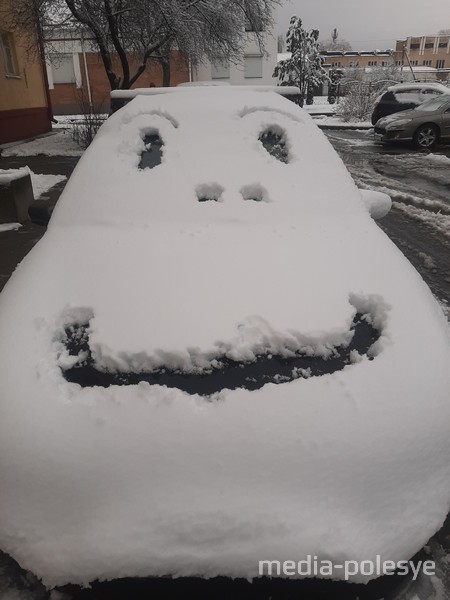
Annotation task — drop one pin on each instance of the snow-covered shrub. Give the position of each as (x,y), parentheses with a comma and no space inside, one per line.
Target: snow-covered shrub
(358,104)
(92,116)
(84,130)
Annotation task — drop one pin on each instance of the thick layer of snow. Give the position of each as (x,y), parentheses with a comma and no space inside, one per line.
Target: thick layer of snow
(60,144)
(285,90)
(145,480)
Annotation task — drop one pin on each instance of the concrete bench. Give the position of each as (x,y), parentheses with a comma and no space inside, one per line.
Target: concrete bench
(16,195)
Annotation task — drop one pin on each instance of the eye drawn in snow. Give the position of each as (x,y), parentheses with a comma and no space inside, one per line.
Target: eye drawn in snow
(79,366)
(151,156)
(209,192)
(255,192)
(273,140)
(165,115)
(264,109)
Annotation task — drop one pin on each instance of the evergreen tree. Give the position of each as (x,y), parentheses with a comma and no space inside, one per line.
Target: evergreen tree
(304,68)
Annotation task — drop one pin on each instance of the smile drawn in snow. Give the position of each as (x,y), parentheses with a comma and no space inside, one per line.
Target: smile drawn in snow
(79,366)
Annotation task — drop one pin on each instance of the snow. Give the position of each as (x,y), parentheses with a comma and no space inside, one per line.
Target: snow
(42,182)
(9,227)
(339,123)
(439,159)
(8,175)
(284,90)
(60,144)
(147,480)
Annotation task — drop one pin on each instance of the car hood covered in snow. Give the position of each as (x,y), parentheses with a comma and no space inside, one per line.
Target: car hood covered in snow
(221,255)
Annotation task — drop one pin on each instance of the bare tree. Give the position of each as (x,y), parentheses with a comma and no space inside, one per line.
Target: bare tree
(144,30)
(444,32)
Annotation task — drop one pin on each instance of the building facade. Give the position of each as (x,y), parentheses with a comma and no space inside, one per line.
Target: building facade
(25,109)
(77,78)
(334,59)
(254,68)
(425,51)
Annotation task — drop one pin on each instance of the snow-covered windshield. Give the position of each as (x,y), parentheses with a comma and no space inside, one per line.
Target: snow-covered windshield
(435,103)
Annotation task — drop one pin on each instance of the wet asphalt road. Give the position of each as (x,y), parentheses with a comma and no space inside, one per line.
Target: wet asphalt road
(419,185)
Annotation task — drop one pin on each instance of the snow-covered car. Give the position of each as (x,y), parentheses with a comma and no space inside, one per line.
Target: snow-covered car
(406,96)
(425,125)
(215,357)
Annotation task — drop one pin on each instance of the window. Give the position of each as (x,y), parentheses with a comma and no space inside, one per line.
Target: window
(440,64)
(352,63)
(443,44)
(372,63)
(427,63)
(415,46)
(62,68)
(384,63)
(429,45)
(9,55)
(414,63)
(336,64)
(220,69)
(253,67)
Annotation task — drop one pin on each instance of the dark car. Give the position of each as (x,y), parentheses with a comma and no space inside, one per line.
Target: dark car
(405,96)
(424,125)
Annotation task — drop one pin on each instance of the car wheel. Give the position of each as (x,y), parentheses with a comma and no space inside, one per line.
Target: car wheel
(426,136)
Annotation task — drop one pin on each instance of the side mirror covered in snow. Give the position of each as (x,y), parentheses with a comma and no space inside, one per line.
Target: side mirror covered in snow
(377,203)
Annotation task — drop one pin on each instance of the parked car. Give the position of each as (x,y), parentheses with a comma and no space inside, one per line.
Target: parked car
(424,125)
(405,96)
(215,357)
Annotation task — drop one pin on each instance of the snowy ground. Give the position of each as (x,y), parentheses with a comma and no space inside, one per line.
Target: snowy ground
(58,144)
(42,183)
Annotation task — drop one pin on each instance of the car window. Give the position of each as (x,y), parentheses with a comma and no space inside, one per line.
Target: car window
(435,103)
(429,93)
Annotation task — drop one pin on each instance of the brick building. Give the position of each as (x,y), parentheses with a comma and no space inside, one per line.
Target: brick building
(425,51)
(25,109)
(352,59)
(77,77)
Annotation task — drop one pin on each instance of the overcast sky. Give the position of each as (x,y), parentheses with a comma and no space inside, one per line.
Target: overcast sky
(368,24)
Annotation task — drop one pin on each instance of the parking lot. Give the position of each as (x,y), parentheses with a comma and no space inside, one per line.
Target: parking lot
(419,185)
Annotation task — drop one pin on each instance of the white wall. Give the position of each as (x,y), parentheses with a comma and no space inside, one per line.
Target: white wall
(237,73)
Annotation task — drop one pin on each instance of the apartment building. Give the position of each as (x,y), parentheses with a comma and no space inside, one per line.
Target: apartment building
(254,67)
(353,59)
(425,51)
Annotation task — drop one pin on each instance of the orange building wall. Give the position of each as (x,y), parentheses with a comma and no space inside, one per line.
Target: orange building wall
(23,103)
(68,99)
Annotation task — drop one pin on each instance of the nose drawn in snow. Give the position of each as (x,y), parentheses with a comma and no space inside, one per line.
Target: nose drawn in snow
(255,192)
(209,192)
(270,361)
